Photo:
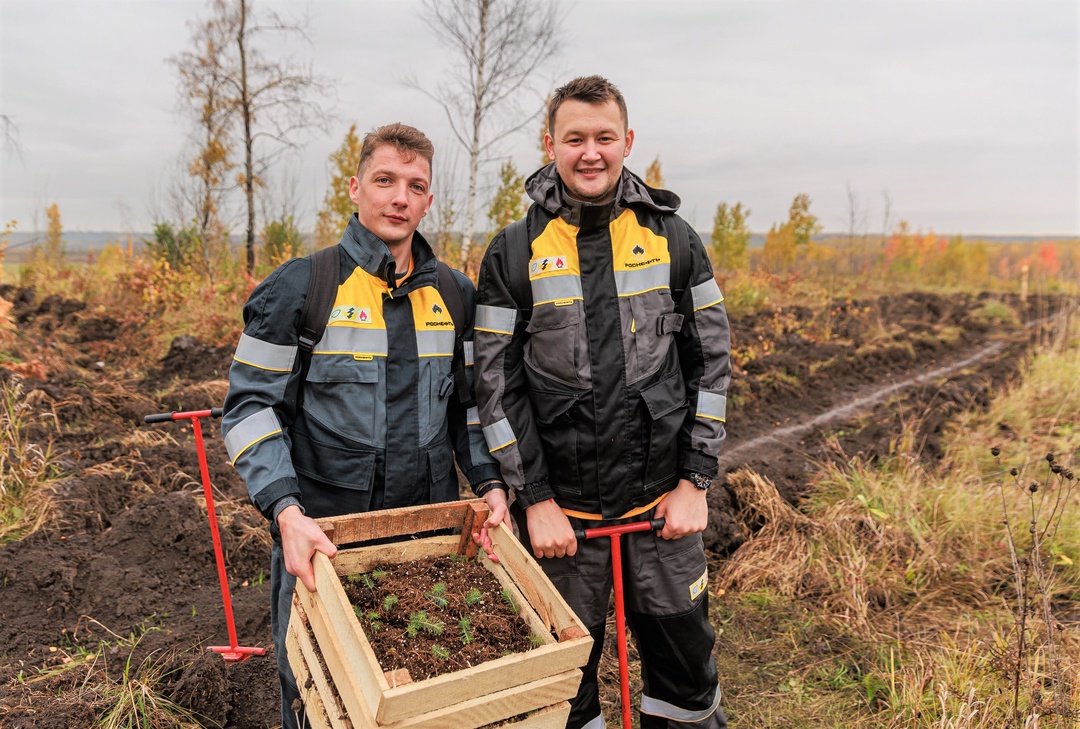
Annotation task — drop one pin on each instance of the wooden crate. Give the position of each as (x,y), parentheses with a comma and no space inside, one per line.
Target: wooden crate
(340,679)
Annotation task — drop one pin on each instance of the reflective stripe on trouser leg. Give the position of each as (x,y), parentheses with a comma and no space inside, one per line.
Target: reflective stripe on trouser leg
(679,677)
(281,591)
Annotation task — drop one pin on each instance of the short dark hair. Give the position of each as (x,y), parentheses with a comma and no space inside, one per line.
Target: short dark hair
(591,90)
(407,140)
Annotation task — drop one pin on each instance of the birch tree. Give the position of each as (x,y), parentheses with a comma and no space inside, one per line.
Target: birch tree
(499,45)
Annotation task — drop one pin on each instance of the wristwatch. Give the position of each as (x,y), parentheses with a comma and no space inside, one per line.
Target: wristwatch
(700,480)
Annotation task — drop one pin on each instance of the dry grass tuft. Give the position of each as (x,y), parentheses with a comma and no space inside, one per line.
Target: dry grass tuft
(27,469)
(778,554)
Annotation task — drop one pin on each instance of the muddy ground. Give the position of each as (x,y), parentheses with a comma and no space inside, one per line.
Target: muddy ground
(124,568)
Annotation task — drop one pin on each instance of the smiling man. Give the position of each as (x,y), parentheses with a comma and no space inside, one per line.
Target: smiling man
(602,354)
(367,417)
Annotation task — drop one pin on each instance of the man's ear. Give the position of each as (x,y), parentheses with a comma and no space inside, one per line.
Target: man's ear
(629,142)
(549,145)
(354,191)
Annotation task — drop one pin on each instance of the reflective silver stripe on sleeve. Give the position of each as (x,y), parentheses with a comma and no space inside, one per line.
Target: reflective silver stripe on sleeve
(556,288)
(352,340)
(712,406)
(265,356)
(706,294)
(499,435)
(495,319)
(250,431)
(656,707)
(639,280)
(436,343)
(472,416)
(468,347)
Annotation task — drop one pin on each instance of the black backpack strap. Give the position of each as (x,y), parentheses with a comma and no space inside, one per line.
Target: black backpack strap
(321,292)
(518,252)
(450,290)
(680,262)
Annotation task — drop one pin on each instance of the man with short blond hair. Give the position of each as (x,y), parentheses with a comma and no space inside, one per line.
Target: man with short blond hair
(603,398)
(372,421)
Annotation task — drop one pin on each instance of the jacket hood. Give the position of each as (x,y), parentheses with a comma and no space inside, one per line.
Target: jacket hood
(545,188)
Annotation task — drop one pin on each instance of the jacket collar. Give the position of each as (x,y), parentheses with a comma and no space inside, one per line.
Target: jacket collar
(370,253)
(545,187)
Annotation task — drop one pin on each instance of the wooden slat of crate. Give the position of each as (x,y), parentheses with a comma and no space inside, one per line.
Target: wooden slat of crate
(352,561)
(321,703)
(351,528)
(337,629)
(551,717)
(496,707)
(530,578)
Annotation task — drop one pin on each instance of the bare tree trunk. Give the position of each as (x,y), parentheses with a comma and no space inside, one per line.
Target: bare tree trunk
(474,148)
(249,171)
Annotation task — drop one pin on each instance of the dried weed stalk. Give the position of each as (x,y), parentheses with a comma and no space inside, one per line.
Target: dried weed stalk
(1035,629)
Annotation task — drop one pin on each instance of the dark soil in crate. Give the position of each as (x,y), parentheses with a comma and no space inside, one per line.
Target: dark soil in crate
(436,615)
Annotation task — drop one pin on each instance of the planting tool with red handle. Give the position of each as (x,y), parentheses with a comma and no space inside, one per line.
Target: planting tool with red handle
(615,532)
(232,653)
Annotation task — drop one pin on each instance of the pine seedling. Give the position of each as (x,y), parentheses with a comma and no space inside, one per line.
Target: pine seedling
(419,621)
(473,597)
(535,641)
(439,652)
(438,595)
(465,626)
(508,598)
(389,602)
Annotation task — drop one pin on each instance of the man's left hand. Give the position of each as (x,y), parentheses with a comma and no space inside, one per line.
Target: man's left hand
(496,502)
(685,511)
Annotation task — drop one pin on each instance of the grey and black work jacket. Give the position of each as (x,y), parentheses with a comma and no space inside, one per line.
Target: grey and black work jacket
(612,390)
(376,424)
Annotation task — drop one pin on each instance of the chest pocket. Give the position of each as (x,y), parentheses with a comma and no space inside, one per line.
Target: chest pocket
(342,394)
(557,346)
(648,328)
(435,390)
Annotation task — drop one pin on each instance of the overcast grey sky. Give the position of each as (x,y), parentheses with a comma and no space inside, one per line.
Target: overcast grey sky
(964,112)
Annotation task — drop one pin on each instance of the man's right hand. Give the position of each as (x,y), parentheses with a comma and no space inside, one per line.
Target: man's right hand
(549,531)
(301,538)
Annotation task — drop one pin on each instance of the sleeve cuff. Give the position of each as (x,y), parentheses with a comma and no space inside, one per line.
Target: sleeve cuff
(697,462)
(284,503)
(486,486)
(482,473)
(270,494)
(534,493)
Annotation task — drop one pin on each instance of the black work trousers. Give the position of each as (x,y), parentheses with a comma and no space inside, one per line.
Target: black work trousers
(665,585)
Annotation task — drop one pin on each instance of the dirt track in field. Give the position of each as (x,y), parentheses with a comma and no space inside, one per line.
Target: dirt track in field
(127,556)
